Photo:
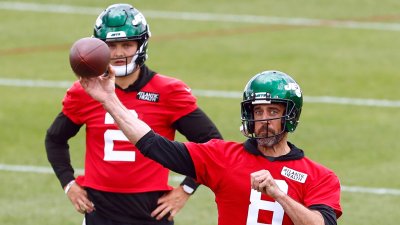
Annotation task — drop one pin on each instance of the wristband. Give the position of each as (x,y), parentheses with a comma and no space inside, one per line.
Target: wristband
(189,185)
(188,190)
(69,186)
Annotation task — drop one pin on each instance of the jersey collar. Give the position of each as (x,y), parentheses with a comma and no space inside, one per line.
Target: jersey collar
(145,76)
(295,153)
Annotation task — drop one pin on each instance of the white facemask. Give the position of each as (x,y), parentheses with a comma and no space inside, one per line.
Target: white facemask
(121,71)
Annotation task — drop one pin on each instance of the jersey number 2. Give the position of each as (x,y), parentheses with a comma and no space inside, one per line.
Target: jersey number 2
(111,154)
(257,204)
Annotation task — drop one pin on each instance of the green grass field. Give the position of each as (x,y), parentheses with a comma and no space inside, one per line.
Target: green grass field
(342,49)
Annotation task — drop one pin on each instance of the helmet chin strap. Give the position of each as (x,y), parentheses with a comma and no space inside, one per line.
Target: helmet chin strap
(121,71)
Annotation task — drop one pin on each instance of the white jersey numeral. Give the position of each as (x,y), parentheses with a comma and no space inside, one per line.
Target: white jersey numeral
(111,154)
(256,204)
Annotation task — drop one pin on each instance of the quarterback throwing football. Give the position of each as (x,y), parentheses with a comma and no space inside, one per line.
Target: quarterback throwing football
(266,179)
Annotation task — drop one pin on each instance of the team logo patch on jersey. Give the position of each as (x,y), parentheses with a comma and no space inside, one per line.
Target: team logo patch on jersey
(294,175)
(148,96)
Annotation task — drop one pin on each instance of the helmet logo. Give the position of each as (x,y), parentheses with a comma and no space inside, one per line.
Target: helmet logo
(139,18)
(261,95)
(261,98)
(293,87)
(119,34)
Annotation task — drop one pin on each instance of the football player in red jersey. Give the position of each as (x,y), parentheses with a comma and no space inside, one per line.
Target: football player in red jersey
(120,185)
(285,186)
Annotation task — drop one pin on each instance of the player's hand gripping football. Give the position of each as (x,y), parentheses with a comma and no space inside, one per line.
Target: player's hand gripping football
(171,202)
(100,87)
(263,182)
(79,199)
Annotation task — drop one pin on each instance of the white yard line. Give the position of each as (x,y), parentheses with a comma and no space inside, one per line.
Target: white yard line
(202,16)
(179,178)
(214,93)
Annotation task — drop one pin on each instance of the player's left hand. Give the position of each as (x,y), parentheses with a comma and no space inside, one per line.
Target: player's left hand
(171,202)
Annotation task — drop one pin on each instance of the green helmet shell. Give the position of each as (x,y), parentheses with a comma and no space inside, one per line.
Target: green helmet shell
(270,87)
(122,22)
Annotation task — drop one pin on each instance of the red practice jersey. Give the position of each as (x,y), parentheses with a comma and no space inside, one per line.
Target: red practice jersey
(112,163)
(225,167)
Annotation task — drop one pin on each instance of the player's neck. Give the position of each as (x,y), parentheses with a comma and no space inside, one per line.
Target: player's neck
(124,81)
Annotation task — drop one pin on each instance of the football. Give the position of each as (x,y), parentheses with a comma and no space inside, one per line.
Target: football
(89,57)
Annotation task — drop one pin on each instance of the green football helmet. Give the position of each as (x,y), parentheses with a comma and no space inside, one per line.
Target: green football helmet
(122,22)
(270,87)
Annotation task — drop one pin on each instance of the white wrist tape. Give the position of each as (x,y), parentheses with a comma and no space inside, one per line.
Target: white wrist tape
(69,186)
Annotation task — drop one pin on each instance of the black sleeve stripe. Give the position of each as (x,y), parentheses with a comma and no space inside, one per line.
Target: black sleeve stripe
(327,212)
(197,127)
(171,154)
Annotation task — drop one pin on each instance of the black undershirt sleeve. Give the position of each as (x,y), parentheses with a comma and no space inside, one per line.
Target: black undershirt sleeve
(327,212)
(171,154)
(57,148)
(196,127)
